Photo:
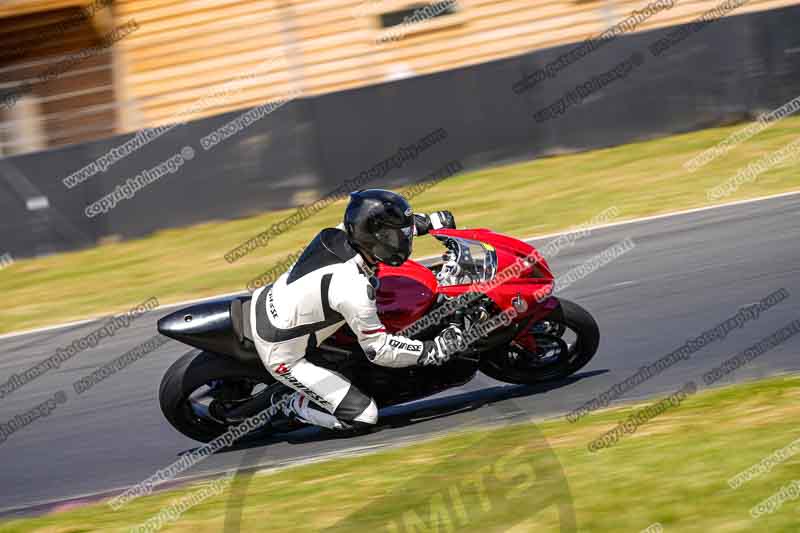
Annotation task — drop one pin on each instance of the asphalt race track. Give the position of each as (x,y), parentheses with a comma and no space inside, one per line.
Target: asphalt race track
(686,274)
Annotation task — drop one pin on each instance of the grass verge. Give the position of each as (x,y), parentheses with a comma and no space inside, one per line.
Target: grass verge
(672,471)
(530,198)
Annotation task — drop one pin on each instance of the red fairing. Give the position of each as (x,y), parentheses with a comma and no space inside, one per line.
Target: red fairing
(405,294)
(512,282)
(508,248)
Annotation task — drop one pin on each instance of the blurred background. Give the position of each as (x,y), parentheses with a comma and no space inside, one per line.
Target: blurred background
(78,79)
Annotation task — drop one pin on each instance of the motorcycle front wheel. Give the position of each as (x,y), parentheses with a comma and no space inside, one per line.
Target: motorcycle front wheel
(549,350)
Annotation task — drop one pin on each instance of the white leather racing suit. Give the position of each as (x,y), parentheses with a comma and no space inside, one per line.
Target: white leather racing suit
(330,284)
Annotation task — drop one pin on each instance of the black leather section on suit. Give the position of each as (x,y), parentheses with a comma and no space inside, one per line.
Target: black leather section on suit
(329,247)
(270,333)
(324,286)
(352,405)
(311,345)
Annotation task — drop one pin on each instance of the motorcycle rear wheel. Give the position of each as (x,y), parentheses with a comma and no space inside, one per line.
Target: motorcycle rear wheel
(515,364)
(198,370)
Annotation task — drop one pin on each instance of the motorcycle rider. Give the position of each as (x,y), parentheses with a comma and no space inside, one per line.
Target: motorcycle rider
(334,281)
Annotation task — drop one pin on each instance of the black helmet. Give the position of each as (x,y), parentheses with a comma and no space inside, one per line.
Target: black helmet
(380,225)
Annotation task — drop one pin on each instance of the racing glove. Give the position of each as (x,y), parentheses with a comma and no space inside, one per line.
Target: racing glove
(438,351)
(436,220)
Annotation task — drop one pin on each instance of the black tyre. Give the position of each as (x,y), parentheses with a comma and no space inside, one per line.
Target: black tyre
(558,354)
(198,370)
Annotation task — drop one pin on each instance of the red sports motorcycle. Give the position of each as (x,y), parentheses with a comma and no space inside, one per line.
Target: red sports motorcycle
(547,339)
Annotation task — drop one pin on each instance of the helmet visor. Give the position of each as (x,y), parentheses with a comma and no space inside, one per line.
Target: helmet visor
(395,245)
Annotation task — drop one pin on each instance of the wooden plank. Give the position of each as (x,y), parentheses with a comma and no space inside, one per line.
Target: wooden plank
(11,8)
(176,54)
(165,27)
(155,81)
